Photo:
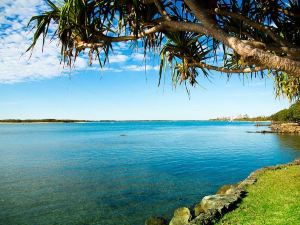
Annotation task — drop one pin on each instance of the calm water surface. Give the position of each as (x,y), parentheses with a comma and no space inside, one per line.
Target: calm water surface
(121,173)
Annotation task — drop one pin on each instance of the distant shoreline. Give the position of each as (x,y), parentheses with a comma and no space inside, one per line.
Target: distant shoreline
(47,121)
(253,121)
(42,121)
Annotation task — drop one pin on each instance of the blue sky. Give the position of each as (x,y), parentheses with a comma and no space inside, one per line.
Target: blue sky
(42,88)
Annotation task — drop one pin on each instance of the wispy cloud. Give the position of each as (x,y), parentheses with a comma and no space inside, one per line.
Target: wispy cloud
(119,58)
(141,68)
(138,56)
(15,39)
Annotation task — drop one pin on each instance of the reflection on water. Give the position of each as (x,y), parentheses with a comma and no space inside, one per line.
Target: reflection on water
(291,141)
(121,173)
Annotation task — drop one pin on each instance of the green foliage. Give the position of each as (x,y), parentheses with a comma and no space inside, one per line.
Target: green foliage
(291,114)
(288,86)
(178,51)
(41,121)
(78,22)
(94,25)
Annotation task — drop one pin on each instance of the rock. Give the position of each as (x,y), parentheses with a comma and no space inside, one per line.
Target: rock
(218,202)
(296,162)
(205,218)
(237,191)
(198,209)
(262,132)
(248,181)
(293,128)
(262,124)
(156,221)
(227,196)
(224,188)
(182,216)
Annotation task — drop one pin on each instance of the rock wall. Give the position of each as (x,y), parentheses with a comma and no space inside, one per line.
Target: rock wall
(213,207)
(291,128)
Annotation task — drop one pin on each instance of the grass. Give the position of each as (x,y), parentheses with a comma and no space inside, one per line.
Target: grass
(273,199)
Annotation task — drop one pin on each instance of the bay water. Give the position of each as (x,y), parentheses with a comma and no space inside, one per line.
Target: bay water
(121,173)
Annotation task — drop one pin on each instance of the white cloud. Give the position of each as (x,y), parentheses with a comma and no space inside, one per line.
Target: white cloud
(138,56)
(122,46)
(141,68)
(15,39)
(118,58)
(111,69)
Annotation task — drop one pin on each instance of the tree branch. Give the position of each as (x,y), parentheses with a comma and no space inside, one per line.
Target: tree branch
(162,26)
(226,70)
(102,38)
(288,13)
(146,2)
(149,31)
(251,23)
(83,45)
(293,53)
(250,53)
(260,57)
(161,9)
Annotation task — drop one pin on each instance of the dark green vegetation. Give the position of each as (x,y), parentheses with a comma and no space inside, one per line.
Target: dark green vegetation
(244,118)
(254,119)
(41,121)
(193,37)
(291,114)
(274,199)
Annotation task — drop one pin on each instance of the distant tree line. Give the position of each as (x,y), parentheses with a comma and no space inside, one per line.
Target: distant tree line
(40,121)
(258,118)
(292,114)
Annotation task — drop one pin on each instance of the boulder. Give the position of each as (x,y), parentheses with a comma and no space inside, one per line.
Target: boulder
(181,216)
(250,180)
(205,218)
(224,189)
(198,209)
(220,203)
(156,221)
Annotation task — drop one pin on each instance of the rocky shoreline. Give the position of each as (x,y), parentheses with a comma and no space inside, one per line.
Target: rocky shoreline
(280,128)
(213,207)
(290,128)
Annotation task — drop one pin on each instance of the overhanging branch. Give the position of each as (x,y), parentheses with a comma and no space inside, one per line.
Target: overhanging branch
(253,24)
(247,51)
(102,38)
(226,70)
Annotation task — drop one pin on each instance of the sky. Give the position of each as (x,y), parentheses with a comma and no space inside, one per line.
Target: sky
(40,87)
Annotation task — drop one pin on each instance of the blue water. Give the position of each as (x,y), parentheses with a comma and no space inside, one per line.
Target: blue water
(121,173)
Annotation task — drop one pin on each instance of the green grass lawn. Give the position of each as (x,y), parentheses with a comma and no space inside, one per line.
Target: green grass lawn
(273,199)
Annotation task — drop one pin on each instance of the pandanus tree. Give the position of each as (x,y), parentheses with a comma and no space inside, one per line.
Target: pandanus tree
(257,37)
